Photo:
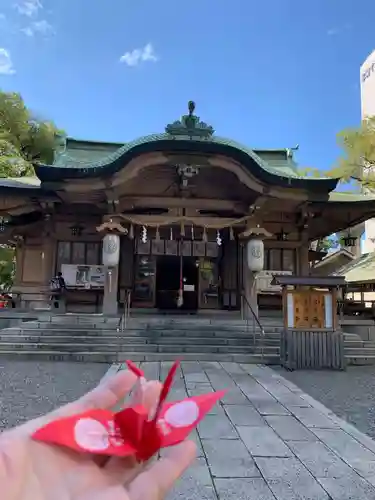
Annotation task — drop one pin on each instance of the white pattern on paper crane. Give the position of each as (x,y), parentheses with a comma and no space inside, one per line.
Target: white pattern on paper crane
(91,435)
(182,414)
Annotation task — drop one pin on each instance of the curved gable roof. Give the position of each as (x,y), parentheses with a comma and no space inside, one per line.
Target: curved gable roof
(187,134)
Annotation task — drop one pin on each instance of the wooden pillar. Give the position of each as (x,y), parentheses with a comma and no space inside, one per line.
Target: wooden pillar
(19,262)
(48,258)
(303,256)
(304,266)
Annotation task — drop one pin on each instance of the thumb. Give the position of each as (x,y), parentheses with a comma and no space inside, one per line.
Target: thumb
(156,481)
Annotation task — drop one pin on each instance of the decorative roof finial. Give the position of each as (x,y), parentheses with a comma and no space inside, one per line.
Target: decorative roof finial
(190,126)
(191,107)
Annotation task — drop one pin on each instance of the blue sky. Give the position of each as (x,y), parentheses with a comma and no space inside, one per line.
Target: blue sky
(270,73)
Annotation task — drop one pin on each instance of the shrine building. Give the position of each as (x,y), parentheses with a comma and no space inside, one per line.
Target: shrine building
(181,207)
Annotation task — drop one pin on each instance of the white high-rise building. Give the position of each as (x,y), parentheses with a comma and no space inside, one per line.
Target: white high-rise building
(367,75)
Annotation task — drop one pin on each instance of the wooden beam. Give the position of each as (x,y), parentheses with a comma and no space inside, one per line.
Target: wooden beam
(160,220)
(173,202)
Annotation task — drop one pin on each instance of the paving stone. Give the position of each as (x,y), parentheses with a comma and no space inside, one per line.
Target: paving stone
(289,428)
(344,445)
(217,427)
(194,437)
(196,389)
(151,370)
(300,489)
(195,483)
(245,489)
(244,379)
(191,367)
(235,397)
(229,458)
(200,377)
(291,400)
(220,383)
(280,468)
(311,417)
(244,415)
(266,408)
(257,394)
(319,459)
(232,368)
(364,468)
(263,442)
(350,487)
(210,366)
(253,370)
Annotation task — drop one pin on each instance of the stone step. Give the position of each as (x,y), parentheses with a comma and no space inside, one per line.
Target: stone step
(156,326)
(360,360)
(359,351)
(107,357)
(119,340)
(77,347)
(138,333)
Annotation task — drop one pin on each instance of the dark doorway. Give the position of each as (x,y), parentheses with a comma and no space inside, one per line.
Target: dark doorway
(168,283)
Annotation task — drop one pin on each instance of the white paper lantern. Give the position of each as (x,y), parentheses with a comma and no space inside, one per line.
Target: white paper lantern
(255,255)
(111,250)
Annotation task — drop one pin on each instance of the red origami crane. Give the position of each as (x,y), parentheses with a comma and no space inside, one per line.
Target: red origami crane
(129,432)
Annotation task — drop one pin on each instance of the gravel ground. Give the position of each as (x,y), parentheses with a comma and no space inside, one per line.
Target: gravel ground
(30,389)
(350,394)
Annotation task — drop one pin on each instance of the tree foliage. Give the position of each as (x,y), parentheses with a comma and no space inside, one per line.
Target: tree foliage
(7,267)
(24,139)
(358,159)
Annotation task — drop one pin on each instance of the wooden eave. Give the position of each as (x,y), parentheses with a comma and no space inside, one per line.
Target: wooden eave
(318,281)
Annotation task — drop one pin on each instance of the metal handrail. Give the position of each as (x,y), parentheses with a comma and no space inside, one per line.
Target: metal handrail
(255,321)
(125,313)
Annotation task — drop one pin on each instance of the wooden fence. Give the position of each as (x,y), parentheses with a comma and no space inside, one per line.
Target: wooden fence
(312,349)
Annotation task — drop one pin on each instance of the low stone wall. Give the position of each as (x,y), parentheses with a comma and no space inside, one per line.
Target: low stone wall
(365,328)
(9,322)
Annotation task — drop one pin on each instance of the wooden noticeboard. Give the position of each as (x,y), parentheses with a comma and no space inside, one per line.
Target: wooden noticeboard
(308,309)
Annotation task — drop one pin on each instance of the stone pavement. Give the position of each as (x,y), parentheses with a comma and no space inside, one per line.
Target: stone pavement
(268,440)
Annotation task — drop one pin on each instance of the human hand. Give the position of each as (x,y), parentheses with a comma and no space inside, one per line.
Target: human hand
(31,470)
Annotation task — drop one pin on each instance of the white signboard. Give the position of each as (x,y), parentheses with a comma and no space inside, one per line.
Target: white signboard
(81,276)
(264,279)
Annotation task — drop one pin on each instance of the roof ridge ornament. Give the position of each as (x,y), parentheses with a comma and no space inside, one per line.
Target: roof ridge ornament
(190,126)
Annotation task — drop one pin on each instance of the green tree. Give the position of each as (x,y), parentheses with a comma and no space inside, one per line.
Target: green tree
(7,267)
(24,139)
(358,159)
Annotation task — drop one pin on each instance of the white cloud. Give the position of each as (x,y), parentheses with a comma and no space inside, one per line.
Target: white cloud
(29,8)
(333,31)
(43,27)
(337,30)
(6,65)
(136,56)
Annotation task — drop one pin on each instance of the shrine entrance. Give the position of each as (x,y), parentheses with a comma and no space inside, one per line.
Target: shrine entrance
(169,271)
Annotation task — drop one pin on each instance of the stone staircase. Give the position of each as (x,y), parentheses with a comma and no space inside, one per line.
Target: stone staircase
(154,338)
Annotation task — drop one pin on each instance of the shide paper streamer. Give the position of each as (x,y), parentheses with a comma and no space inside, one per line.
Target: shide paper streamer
(129,432)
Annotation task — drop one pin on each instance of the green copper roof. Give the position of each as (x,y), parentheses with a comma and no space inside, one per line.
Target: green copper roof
(360,270)
(187,134)
(348,196)
(80,153)
(91,157)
